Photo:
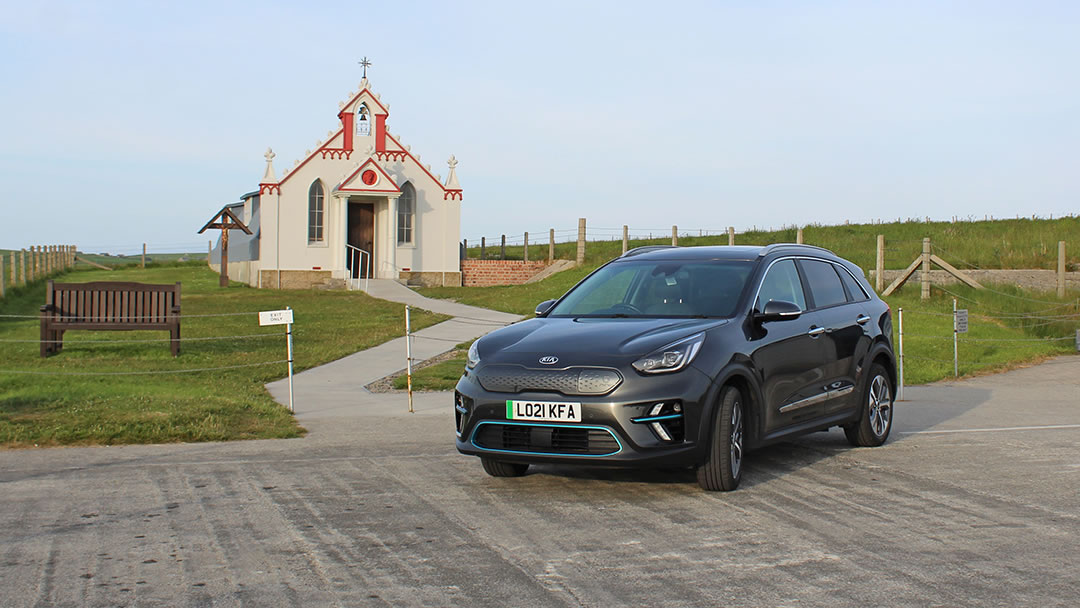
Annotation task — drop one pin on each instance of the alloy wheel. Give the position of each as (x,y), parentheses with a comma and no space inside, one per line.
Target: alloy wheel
(736,439)
(880,406)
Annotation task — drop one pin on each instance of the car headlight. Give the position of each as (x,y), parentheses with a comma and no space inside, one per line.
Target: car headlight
(672,357)
(473,357)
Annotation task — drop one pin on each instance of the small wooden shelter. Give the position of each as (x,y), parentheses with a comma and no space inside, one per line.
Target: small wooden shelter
(226,221)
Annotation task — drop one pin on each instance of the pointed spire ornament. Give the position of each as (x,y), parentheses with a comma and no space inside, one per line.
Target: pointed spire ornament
(451,178)
(268,177)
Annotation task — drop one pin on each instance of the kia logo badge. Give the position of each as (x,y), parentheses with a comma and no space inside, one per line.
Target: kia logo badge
(549,360)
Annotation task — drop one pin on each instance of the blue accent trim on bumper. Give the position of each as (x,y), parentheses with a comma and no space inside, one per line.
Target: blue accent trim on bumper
(472,438)
(655,418)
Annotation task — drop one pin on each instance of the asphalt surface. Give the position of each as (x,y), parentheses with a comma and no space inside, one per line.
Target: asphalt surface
(972,502)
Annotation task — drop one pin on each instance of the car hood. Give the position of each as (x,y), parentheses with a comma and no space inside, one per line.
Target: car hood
(585,341)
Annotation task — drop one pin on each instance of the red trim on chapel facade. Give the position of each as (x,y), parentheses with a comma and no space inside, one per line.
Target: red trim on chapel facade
(382,136)
(369,164)
(380,132)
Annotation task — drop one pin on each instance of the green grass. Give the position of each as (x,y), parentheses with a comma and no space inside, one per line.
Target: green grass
(1007,327)
(442,376)
(1015,243)
(53,409)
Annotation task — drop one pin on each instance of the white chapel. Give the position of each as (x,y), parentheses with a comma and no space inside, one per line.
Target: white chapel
(359,205)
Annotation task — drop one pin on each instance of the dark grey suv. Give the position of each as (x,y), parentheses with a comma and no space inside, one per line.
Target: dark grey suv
(683,356)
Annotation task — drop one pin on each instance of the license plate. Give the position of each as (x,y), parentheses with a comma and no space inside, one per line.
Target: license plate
(544,411)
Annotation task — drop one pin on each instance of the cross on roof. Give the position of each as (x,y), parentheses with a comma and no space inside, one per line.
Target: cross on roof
(364,62)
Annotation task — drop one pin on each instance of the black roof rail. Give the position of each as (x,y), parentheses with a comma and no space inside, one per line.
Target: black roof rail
(773,247)
(646,249)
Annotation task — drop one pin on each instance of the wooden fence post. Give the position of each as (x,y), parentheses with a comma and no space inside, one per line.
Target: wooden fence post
(879,278)
(551,245)
(464,249)
(14,274)
(674,236)
(731,235)
(3,286)
(502,248)
(799,237)
(926,268)
(142,261)
(22,266)
(483,246)
(581,241)
(526,255)
(625,237)
(1061,270)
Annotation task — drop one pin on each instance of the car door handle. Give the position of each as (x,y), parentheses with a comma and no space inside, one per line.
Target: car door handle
(815,331)
(862,319)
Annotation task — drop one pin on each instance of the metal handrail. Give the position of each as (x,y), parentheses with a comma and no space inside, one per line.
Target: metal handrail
(357,254)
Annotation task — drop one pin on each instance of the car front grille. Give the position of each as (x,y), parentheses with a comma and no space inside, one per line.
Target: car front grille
(570,381)
(546,439)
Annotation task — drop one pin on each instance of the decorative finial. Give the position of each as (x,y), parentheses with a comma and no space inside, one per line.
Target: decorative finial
(367,64)
(268,177)
(451,178)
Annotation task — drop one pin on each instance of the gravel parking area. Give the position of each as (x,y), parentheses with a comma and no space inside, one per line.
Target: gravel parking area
(972,502)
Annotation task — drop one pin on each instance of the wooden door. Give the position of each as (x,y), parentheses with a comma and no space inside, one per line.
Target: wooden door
(361,236)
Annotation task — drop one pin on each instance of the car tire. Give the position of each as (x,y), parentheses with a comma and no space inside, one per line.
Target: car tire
(722,469)
(876,411)
(498,468)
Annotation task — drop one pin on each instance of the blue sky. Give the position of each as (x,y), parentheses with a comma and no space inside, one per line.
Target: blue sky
(133,122)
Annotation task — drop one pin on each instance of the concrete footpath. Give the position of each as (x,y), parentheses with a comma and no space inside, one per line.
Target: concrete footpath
(336,390)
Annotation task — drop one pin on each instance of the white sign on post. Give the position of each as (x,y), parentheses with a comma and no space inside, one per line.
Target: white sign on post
(282,317)
(961,321)
(275,317)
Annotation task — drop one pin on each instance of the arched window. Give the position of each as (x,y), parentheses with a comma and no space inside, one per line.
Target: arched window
(315,212)
(406,213)
(363,120)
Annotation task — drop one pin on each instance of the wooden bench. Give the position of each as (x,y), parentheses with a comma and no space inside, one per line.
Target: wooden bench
(110,306)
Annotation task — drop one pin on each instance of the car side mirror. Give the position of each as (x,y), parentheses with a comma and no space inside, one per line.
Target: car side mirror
(778,310)
(544,306)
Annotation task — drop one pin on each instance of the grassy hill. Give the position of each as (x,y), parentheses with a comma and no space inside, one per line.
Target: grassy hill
(1017,243)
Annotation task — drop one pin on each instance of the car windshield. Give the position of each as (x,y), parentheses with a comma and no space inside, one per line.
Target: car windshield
(669,288)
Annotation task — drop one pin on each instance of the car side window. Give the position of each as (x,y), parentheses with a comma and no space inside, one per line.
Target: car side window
(781,283)
(825,286)
(855,291)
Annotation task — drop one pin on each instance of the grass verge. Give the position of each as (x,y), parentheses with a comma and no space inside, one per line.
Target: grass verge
(78,396)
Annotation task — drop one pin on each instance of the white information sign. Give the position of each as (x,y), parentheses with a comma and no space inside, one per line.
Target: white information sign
(275,317)
(961,321)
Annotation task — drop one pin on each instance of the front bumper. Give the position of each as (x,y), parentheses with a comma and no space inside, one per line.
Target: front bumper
(615,429)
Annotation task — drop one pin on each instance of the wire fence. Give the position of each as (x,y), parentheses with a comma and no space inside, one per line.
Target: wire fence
(20,329)
(971,333)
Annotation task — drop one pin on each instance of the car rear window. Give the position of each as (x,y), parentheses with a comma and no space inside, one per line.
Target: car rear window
(825,286)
